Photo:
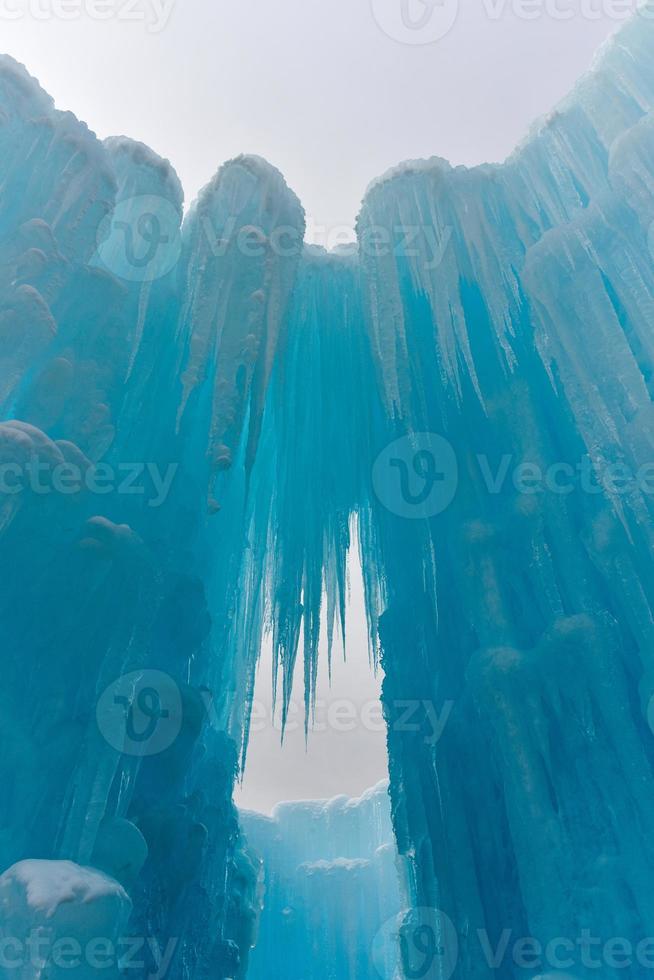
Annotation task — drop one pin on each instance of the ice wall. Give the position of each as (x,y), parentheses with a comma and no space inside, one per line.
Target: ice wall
(526,598)
(117,752)
(56,909)
(194,413)
(329,882)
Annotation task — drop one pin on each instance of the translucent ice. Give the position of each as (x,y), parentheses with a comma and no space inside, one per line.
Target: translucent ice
(201,415)
(328,884)
(58,918)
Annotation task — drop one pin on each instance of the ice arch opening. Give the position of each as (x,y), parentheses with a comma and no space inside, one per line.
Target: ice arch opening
(266,394)
(315,812)
(344,751)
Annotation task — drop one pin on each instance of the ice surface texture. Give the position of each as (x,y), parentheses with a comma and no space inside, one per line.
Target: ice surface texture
(47,905)
(198,417)
(328,884)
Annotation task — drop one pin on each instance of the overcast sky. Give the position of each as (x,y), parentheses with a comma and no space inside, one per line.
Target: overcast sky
(346,751)
(333,92)
(322,88)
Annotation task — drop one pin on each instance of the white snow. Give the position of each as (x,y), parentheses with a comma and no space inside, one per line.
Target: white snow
(49,884)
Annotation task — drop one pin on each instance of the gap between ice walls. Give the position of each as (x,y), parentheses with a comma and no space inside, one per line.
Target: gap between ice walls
(193,413)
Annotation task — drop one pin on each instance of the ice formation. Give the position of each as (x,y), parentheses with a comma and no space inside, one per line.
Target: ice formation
(200,415)
(328,881)
(57,917)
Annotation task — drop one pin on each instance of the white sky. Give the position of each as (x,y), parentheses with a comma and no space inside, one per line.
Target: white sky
(320,90)
(347,749)
(315,86)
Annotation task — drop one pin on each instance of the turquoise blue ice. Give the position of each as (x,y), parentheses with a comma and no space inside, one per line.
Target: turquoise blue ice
(201,418)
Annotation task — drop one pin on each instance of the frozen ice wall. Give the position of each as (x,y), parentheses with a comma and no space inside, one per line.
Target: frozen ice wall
(526,597)
(329,882)
(119,747)
(195,415)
